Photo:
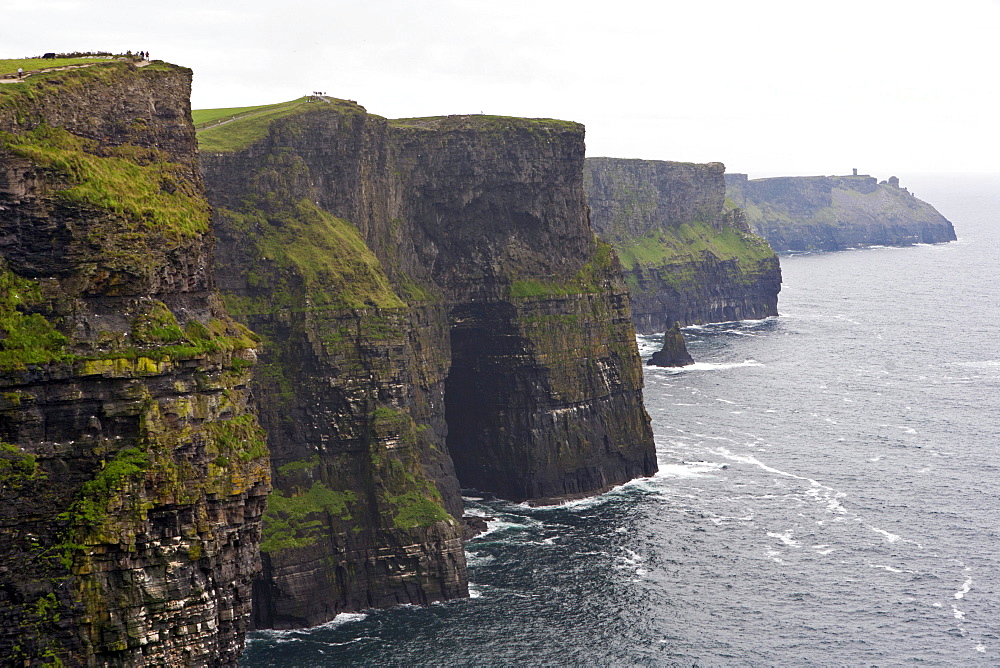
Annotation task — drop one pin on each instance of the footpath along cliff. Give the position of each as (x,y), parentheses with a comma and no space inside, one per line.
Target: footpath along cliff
(437,314)
(687,253)
(799,213)
(133,476)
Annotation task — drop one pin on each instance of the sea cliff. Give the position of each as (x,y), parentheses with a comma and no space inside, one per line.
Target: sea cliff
(437,314)
(133,475)
(687,253)
(800,213)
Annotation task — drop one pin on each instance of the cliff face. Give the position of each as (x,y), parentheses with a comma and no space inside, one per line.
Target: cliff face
(836,212)
(132,474)
(431,293)
(544,398)
(351,384)
(687,253)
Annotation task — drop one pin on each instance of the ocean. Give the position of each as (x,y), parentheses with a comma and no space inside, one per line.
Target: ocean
(829,492)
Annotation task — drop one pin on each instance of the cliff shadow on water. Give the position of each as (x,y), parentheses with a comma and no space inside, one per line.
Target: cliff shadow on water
(436,313)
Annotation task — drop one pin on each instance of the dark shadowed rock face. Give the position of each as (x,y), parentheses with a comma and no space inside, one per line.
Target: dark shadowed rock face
(544,398)
(686,251)
(133,475)
(798,213)
(674,352)
(430,292)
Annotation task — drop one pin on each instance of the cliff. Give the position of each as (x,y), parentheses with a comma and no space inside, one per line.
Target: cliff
(799,213)
(687,253)
(133,475)
(438,314)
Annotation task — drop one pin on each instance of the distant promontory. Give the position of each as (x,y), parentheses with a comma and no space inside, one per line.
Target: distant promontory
(801,213)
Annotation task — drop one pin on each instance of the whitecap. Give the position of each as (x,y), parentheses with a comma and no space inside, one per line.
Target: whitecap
(687,469)
(891,537)
(958,613)
(885,568)
(294,635)
(785,538)
(966,587)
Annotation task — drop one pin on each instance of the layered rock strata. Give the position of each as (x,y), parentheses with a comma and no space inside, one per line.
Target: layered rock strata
(434,303)
(133,475)
(686,252)
(801,213)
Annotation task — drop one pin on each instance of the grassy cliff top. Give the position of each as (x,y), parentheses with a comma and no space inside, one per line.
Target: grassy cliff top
(609,161)
(480,122)
(8,66)
(36,84)
(235,128)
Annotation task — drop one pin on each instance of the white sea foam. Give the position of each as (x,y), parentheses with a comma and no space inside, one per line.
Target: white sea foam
(885,568)
(958,613)
(630,559)
(687,469)
(891,537)
(785,538)
(477,558)
(474,591)
(966,587)
(296,635)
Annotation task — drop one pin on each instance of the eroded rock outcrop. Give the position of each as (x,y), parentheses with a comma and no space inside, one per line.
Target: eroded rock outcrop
(132,474)
(687,253)
(431,292)
(799,213)
(674,352)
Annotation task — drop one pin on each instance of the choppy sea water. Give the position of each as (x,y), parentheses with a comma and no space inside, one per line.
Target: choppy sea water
(829,493)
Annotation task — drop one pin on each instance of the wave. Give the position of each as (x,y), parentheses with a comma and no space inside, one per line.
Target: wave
(297,635)
(704,366)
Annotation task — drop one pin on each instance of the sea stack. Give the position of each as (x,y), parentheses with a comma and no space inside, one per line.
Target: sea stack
(674,352)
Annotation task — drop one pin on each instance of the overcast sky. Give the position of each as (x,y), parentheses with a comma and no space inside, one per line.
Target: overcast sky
(769,87)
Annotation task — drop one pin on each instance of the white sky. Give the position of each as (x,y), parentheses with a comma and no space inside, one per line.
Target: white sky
(769,87)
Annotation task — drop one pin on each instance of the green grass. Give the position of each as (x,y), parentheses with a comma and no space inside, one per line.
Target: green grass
(414,509)
(286,520)
(588,280)
(203,117)
(9,66)
(253,123)
(16,467)
(689,243)
(91,507)
(484,122)
(28,338)
(240,436)
(304,253)
(136,184)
